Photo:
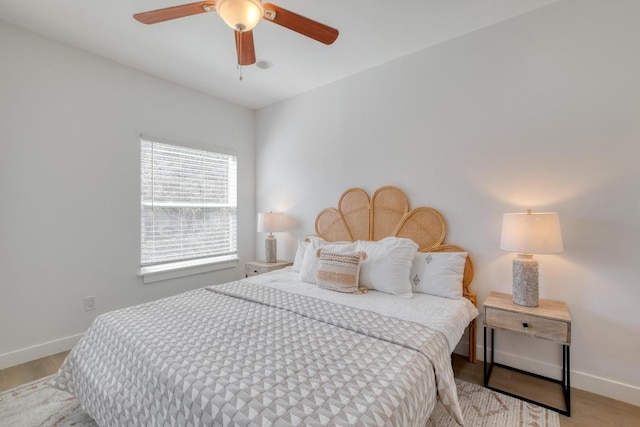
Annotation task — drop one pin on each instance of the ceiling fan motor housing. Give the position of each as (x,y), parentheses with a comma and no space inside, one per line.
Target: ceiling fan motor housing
(241,15)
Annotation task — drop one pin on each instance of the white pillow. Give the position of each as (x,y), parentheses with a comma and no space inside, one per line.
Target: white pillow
(311,262)
(388,265)
(438,273)
(297,262)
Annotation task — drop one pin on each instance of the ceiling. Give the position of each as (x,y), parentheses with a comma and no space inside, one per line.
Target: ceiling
(199,51)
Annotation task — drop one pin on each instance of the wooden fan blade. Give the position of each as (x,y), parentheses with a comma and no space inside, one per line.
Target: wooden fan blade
(245,48)
(166,14)
(300,24)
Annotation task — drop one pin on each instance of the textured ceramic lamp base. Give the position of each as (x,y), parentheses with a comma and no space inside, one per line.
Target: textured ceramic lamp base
(270,249)
(525,281)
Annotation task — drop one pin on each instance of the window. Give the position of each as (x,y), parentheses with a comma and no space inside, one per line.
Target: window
(189,204)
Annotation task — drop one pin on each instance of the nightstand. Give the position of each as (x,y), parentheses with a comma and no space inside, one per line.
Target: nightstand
(253,268)
(549,321)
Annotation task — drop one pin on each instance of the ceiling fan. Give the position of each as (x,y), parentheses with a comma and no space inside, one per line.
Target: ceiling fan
(243,16)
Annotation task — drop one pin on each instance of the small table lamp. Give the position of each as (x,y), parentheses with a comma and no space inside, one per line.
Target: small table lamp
(270,222)
(527,234)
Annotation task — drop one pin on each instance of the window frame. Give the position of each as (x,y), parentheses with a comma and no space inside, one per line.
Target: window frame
(175,269)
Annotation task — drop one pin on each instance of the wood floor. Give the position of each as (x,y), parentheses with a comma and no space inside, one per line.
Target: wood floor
(30,371)
(588,409)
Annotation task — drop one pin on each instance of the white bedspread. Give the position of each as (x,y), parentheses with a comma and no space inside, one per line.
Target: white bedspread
(448,316)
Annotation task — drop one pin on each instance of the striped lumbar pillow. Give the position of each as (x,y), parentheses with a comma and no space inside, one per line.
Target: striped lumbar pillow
(340,272)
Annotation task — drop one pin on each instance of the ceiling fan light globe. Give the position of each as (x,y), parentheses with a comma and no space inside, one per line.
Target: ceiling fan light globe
(241,15)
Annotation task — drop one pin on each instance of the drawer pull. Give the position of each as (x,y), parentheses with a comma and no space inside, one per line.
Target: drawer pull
(525,325)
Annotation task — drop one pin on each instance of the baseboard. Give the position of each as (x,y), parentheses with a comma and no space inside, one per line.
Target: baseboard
(615,390)
(580,380)
(38,351)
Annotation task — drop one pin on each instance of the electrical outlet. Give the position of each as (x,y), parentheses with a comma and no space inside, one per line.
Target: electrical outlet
(89,303)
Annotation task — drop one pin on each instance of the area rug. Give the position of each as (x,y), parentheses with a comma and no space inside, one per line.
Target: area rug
(39,405)
(482,407)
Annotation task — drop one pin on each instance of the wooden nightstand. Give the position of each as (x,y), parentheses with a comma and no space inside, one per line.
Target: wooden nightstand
(254,268)
(550,321)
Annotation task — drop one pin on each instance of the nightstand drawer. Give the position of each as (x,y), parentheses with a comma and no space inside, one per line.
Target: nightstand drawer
(554,330)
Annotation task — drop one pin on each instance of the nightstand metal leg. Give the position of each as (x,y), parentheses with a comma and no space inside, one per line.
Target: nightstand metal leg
(566,377)
(488,366)
(484,367)
(493,357)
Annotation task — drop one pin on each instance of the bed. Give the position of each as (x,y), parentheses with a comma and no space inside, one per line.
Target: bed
(275,350)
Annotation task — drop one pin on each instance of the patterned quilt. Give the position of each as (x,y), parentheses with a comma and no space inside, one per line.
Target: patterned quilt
(242,354)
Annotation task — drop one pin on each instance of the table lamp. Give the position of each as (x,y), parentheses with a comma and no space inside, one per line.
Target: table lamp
(528,234)
(270,222)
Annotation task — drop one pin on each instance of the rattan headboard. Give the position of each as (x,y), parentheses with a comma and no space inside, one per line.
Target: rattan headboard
(387,214)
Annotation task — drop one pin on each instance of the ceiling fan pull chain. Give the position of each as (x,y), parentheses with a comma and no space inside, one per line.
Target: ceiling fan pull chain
(240,72)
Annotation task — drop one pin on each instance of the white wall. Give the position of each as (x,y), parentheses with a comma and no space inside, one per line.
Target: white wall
(70,186)
(541,112)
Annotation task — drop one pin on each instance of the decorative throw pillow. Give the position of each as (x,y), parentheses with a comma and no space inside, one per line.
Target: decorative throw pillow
(388,265)
(310,263)
(438,273)
(339,272)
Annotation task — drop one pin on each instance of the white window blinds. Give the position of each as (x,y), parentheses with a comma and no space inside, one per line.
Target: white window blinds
(189,203)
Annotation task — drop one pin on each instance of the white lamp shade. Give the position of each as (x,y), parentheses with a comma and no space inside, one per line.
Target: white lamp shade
(531,233)
(241,15)
(269,222)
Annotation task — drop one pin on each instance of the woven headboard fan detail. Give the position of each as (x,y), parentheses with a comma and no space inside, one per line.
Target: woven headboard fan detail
(385,214)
